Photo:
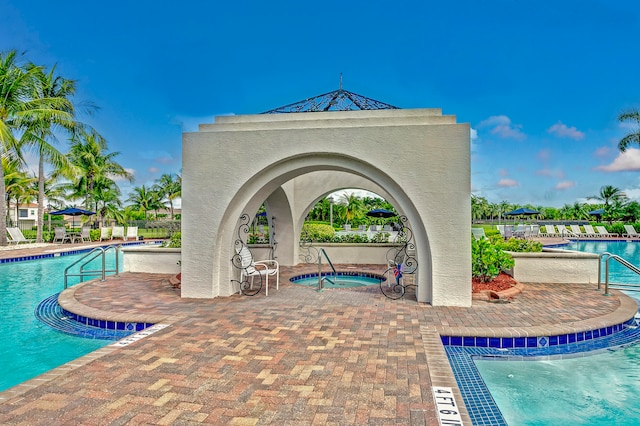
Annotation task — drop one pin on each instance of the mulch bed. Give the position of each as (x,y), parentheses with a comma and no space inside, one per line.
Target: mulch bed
(501,288)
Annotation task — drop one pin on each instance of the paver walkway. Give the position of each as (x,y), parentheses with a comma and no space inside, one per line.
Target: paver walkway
(296,357)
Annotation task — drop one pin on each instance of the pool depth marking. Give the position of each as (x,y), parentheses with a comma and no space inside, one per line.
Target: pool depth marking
(140,335)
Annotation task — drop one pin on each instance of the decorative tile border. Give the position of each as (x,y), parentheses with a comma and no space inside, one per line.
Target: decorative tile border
(340,274)
(536,341)
(25,258)
(107,325)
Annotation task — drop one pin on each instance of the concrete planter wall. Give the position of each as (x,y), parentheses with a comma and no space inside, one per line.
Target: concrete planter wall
(165,260)
(152,259)
(341,253)
(556,266)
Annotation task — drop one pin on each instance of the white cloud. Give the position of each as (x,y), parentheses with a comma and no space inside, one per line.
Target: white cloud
(507,183)
(501,126)
(602,152)
(563,131)
(474,134)
(633,194)
(567,184)
(544,154)
(625,161)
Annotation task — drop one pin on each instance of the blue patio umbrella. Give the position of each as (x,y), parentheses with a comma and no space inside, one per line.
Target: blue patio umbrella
(522,211)
(382,213)
(73,212)
(597,212)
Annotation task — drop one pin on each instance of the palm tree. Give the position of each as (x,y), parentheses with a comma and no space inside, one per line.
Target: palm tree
(170,188)
(633,137)
(54,91)
(93,169)
(352,207)
(15,87)
(142,199)
(613,199)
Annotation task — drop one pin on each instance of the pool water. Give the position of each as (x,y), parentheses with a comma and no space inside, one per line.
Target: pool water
(593,390)
(629,251)
(27,346)
(343,281)
(599,389)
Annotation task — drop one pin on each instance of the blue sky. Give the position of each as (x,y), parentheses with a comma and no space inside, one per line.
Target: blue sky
(541,83)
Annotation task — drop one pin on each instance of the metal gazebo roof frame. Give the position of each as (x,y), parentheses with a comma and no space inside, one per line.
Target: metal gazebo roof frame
(338,100)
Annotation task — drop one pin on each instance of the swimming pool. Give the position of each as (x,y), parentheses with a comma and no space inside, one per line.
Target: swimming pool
(599,389)
(342,280)
(28,347)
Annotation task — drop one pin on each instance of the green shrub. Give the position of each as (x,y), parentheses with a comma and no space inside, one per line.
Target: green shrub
(616,228)
(488,260)
(520,245)
(317,232)
(175,241)
(380,237)
(350,238)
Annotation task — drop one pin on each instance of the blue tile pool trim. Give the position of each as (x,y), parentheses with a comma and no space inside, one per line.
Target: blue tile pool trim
(481,406)
(52,314)
(340,274)
(25,258)
(71,252)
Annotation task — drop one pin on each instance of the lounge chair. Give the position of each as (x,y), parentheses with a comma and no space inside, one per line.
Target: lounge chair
(520,231)
(631,232)
(251,268)
(117,232)
(17,237)
(603,232)
(60,235)
(132,232)
(508,231)
(535,231)
(105,234)
(576,230)
(549,231)
(563,231)
(589,231)
(478,233)
(501,230)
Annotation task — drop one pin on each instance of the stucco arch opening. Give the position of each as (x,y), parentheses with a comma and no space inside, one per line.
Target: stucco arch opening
(291,173)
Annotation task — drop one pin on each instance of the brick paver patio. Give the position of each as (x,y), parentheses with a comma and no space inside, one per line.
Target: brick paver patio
(296,357)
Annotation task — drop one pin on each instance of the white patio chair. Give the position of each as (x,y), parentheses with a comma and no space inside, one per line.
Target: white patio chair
(118,232)
(85,235)
(132,232)
(251,268)
(105,233)
(478,233)
(60,235)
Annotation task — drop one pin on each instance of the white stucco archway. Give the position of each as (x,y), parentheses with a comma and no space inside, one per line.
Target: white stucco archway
(418,159)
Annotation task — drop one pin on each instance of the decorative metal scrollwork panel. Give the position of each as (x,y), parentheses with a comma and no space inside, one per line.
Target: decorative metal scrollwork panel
(308,253)
(243,261)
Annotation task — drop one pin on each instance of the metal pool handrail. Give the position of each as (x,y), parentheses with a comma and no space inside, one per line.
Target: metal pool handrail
(320,277)
(98,251)
(623,262)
